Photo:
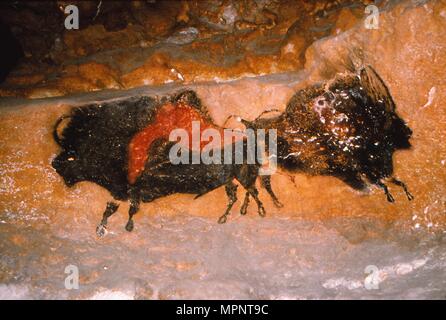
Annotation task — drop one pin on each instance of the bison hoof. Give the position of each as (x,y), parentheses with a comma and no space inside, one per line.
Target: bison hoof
(390,198)
(243,210)
(410,197)
(278,204)
(262,212)
(129,226)
(101,230)
(222,219)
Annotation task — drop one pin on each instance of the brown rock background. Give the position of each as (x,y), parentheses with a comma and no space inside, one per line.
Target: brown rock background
(156,42)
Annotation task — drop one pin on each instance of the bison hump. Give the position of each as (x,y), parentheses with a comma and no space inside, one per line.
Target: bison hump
(169,117)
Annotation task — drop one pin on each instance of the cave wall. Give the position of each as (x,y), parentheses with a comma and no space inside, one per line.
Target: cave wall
(408,51)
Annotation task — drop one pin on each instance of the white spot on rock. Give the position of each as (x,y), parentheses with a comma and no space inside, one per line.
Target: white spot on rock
(430,97)
(111,295)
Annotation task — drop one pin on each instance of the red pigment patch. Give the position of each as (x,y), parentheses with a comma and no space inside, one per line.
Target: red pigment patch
(169,117)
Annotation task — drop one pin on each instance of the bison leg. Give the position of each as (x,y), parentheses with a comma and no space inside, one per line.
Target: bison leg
(255,194)
(403,185)
(386,191)
(109,210)
(266,183)
(247,177)
(244,207)
(134,207)
(352,178)
(231,191)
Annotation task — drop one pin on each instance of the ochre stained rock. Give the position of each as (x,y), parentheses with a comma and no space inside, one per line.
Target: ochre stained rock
(230,40)
(408,51)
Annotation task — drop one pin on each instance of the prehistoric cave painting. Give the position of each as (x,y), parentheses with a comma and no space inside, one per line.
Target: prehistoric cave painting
(170,116)
(347,128)
(105,143)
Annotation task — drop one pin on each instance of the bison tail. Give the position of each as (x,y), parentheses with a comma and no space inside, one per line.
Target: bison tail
(56,127)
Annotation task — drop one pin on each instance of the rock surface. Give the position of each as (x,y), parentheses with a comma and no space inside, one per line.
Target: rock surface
(142,43)
(318,244)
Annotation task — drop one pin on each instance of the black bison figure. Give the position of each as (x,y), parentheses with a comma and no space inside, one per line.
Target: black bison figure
(346,127)
(104,144)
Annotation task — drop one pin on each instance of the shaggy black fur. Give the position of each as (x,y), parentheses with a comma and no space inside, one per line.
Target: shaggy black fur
(347,128)
(95,148)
